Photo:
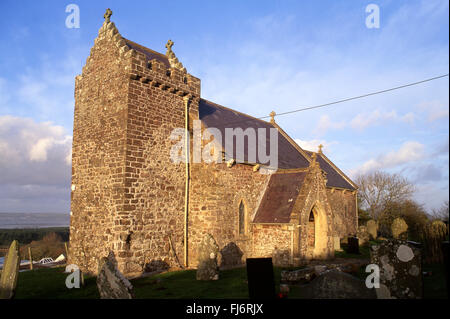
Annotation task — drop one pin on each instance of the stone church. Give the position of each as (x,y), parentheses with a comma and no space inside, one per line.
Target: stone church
(129,197)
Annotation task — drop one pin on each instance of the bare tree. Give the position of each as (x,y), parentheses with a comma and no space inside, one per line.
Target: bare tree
(378,190)
(441,213)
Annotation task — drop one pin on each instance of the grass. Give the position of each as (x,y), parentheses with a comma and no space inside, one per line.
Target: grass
(50,284)
(435,286)
(364,251)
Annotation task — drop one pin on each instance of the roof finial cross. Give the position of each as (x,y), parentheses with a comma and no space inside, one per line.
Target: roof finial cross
(272,117)
(169,45)
(107,15)
(320,148)
(173,60)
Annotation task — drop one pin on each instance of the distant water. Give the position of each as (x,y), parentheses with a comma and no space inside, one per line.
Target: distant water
(33,220)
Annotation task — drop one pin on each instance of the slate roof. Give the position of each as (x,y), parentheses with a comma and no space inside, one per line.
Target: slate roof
(279,197)
(334,178)
(148,52)
(220,117)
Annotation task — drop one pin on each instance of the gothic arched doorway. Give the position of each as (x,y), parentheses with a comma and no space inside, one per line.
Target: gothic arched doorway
(317,233)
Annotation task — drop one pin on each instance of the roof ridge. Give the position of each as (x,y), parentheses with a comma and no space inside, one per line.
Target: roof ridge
(224,107)
(293,143)
(145,48)
(338,170)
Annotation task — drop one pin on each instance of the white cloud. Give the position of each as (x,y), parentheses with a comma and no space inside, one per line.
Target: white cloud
(38,151)
(431,195)
(363,120)
(312,145)
(408,118)
(325,124)
(434,109)
(32,152)
(409,152)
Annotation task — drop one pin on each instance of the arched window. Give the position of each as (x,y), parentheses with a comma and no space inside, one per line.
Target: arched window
(241,218)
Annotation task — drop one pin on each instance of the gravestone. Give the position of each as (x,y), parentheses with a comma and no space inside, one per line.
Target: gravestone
(399,229)
(261,283)
(400,270)
(363,235)
(372,229)
(335,284)
(207,268)
(337,243)
(353,245)
(10,272)
(111,283)
(298,276)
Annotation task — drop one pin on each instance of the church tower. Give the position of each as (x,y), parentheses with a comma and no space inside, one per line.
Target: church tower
(127,195)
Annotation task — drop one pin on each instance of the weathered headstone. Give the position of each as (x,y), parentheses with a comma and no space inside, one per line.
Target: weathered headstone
(400,270)
(337,243)
(372,229)
(10,272)
(363,235)
(335,284)
(399,229)
(207,268)
(111,283)
(298,276)
(261,283)
(353,245)
(319,269)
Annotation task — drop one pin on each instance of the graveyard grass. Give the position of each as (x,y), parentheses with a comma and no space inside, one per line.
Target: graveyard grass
(50,284)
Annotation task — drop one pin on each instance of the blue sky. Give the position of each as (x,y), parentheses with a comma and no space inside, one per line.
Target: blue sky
(253,56)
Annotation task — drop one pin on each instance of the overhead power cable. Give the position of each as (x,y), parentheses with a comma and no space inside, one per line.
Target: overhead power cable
(346,100)
(359,96)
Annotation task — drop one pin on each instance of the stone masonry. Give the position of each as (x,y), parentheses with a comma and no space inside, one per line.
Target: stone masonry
(128,196)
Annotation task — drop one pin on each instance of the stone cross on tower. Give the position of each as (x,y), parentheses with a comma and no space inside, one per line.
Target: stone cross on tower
(320,148)
(272,117)
(173,60)
(169,47)
(107,15)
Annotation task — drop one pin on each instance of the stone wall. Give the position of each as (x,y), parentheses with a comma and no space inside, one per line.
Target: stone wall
(98,151)
(274,240)
(345,216)
(154,184)
(313,198)
(128,197)
(215,194)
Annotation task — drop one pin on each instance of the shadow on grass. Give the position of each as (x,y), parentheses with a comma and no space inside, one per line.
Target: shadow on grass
(50,284)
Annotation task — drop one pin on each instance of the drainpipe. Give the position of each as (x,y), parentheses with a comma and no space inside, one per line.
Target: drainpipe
(186,190)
